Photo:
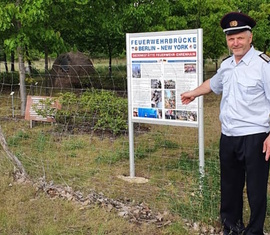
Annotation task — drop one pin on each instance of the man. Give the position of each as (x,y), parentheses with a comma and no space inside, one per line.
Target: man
(244,81)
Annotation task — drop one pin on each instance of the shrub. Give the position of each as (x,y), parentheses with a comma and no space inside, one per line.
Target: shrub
(98,109)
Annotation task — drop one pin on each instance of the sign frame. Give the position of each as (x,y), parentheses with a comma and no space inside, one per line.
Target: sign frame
(162,58)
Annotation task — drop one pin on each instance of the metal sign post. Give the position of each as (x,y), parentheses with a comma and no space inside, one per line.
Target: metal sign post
(12,103)
(161,66)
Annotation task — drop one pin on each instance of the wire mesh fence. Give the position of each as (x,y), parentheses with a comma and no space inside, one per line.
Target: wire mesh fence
(87,148)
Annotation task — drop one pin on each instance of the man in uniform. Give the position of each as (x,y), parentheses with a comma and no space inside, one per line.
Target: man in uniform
(244,81)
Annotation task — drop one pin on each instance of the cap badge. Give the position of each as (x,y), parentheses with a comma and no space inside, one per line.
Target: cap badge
(233,23)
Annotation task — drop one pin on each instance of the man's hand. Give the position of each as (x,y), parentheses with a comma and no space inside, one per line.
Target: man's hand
(266,148)
(187,97)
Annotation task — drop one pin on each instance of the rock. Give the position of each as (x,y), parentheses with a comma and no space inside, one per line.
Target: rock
(70,69)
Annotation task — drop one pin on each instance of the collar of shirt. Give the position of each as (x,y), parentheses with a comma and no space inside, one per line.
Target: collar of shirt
(246,58)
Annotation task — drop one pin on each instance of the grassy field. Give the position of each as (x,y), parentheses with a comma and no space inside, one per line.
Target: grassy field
(93,161)
(87,161)
(26,210)
(170,164)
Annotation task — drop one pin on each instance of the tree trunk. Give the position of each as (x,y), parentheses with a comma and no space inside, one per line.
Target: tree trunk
(28,60)
(110,66)
(110,61)
(46,69)
(22,80)
(16,162)
(46,59)
(12,58)
(5,61)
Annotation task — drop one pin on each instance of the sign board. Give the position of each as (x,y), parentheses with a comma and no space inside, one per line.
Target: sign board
(34,103)
(161,66)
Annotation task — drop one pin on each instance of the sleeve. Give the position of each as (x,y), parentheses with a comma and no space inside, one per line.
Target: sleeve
(215,83)
(266,79)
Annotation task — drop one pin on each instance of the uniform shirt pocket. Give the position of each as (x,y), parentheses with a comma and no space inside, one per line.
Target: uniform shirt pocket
(248,89)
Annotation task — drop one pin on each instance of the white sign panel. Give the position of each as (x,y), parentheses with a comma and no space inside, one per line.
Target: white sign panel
(161,66)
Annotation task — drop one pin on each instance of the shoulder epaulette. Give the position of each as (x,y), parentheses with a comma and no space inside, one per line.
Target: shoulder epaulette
(265,57)
(227,57)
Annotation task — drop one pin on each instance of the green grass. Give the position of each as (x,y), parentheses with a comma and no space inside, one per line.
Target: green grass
(166,155)
(84,163)
(26,211)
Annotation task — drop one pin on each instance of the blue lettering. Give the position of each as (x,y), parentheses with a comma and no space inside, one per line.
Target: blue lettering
(165,48)
(147,48)
(158,41)
(181,47)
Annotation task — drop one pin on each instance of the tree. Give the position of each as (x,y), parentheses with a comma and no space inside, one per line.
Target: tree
(262,28)
(214,43)
(99,27)
(103,28)
(10,21)
(178,16)
(23,22)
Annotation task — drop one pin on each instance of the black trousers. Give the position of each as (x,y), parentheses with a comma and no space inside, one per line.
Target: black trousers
(242,160)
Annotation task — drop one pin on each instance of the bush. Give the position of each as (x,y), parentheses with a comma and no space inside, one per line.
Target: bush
(98,109)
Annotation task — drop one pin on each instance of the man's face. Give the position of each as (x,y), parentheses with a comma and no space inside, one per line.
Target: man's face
(239,43)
